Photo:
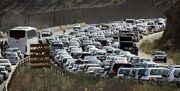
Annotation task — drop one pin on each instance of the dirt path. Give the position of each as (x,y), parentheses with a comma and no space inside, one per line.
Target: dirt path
(151,37)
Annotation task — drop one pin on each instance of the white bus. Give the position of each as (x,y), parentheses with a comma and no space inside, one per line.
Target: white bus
(22,37)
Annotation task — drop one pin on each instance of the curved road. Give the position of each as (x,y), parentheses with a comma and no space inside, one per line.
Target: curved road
(152,37)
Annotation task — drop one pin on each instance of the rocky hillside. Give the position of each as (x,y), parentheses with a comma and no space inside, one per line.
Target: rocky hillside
(171,36)
(32,6)
(40,13)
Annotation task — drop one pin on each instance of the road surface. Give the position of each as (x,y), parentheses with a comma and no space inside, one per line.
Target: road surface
(151,37)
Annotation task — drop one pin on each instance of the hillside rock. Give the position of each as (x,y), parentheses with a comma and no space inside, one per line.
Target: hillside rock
(171,36)
(40,13)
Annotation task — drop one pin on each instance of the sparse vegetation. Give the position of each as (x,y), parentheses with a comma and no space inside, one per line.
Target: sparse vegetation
(176,57)
(147,47)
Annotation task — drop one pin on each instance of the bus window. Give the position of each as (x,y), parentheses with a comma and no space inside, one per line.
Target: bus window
(17,34)
(31,34)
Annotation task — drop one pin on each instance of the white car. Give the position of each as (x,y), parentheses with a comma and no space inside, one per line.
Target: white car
(6,63)
(90,70)
(172,75)
(4,72)
(125,53)
(101,54)
(109,59)
(134,59)
(160,56)
(13,57)
(122,72)
(88,47)
(120,60)
(153,74)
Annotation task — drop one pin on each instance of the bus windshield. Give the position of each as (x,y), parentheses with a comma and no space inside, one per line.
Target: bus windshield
(17,34)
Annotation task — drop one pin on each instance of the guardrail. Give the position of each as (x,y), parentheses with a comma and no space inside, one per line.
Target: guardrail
(58,70)
(17,67)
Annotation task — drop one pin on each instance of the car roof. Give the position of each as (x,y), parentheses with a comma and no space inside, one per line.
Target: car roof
(156,68)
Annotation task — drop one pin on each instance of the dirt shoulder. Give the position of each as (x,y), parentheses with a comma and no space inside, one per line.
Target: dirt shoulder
(151,38)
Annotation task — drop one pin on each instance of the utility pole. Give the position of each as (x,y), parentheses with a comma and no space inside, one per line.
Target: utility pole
(54,16)
(63,20)
(27,20)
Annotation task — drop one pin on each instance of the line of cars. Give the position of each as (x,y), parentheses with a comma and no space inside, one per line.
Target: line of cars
(96,49)
(11,57)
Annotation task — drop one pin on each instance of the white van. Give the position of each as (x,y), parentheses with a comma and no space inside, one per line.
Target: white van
(153,74)
(48,32)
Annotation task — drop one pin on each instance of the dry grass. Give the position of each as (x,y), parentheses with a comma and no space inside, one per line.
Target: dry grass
(40,80)
(147,47)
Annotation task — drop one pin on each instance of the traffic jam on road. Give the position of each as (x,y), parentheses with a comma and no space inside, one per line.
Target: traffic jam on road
(102,50)
(110,50)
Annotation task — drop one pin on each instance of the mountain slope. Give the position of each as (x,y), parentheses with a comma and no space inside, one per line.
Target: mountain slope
(171,36)
(40,13)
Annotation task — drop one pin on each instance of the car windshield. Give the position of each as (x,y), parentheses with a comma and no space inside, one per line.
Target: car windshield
(45,35)
(73,44)
(110,58)
(11,55)
(122,58)
(151,65)
(4,61)
(62,52)
(142,72)
(156,71)
(117,51)
(91,62)
(76,50)
(2,69)
(64,39)
(124,71)
(99,70)
(101,53)
(90,57)
(85,54)
(159,53)
(176,71)
(91,69)
(145,60)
